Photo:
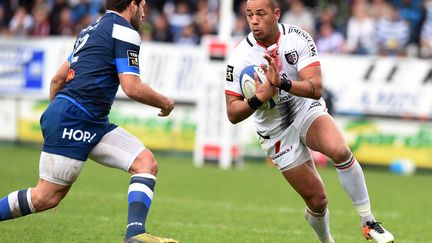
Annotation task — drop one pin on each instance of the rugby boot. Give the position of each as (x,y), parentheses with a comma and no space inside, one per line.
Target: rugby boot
(148,238)
(374,231)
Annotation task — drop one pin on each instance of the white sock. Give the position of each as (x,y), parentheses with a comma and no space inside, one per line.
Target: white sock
(320,223)
(365,213)
(352,180)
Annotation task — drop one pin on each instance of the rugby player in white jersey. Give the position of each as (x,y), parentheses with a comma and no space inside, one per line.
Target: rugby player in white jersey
(299,121)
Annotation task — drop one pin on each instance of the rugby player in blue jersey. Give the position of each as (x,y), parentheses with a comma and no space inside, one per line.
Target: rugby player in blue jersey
(75,126)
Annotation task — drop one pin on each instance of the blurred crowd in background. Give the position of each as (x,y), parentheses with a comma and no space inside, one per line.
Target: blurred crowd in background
(363,27)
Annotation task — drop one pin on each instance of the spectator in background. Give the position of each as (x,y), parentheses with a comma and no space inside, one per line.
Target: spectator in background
(206,20)
(360,31)
(329,40)
(204,28)
(145,32)
(300,16)
(411,11)
(56,10)
(83,22)
(41,26)
(65,25)
(355,18)
(392,33)
(3,21)
(326,16)
(336,12)
(21,23)
(161,30)
(181,18)
(79,9)
(187,36)
(241,29)
(378,8)
(96,8)
(426,32)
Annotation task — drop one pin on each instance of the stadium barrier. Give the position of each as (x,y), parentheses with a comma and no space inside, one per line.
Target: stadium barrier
(383,105)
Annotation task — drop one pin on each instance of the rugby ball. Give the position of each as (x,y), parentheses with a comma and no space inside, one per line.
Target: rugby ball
(248,87)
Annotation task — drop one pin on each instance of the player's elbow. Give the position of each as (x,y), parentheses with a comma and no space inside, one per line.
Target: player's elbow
(234,119)
(130,91)
(131,85)
(317,95)
(318,92)
(57,81)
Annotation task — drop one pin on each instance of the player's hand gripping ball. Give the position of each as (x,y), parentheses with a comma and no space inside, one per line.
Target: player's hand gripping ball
(248,87)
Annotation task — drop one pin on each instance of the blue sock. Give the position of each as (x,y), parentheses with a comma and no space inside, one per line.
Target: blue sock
(16,204)
(139,199)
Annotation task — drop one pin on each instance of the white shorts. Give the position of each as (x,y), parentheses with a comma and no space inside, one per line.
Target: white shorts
(117,149)
(288,148)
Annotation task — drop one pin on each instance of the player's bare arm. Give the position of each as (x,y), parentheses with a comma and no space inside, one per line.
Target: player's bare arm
(238,108)
(135,89)
(59,79)
(309,85)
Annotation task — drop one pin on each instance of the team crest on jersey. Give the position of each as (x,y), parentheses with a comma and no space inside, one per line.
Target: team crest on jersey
(70,75)
(292,57)
(133,58)
(229,73)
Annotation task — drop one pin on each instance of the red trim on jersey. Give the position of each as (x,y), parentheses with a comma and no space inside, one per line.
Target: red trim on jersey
(229,92)
(265,47)
(277,146)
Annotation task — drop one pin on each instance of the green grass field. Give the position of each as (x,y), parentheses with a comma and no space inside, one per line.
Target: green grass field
(201,205)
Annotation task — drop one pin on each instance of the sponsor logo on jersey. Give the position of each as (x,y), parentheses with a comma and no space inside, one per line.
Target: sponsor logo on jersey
(229,73)
(292,57)
(77,135)
(134,224)
(282,153)
(303,34)
(70,75)
(133,58)
(314,104)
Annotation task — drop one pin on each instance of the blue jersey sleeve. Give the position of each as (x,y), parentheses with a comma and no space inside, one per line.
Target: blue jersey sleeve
(69,59)
(126,49)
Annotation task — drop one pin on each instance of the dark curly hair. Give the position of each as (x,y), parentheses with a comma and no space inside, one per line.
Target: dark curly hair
(119,5)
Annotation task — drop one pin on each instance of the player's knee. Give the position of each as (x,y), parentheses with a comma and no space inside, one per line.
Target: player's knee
(144,163)
(340,154)
(317,203)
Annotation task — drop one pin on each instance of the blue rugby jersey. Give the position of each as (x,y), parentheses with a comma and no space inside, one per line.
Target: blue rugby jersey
(101,51)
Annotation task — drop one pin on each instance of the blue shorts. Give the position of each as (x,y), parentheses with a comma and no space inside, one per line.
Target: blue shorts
(70,130)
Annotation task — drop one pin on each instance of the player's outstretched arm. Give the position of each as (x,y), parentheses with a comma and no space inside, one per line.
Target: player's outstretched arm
(59,79)
(135,89)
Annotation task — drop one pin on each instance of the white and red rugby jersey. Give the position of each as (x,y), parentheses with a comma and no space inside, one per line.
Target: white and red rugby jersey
(295,50)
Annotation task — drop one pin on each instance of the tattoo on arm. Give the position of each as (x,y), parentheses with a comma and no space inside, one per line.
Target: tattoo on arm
(312,87)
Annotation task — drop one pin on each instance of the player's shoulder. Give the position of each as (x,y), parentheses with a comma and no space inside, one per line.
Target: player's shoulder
(120,28)
(241,49)
(294,32)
